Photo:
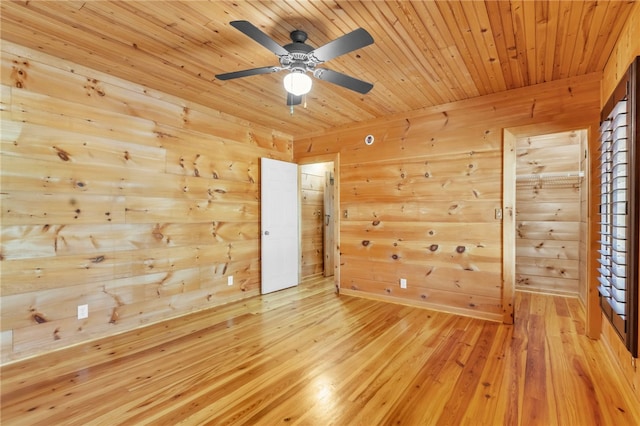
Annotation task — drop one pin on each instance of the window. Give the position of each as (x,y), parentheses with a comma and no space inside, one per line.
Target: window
(619,209)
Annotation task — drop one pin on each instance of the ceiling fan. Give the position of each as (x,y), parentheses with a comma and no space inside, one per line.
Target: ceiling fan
(299,58)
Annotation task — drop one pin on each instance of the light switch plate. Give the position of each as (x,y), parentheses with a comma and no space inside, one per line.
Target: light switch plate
(83,311)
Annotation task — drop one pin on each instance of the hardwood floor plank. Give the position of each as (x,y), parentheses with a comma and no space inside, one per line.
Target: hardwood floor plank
(489,404)
(463,392)
(536,407)
(306,356)
(430,382)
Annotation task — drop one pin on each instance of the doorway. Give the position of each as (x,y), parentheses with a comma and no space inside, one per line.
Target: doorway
(319,217)
(316,219)
(551,213)
(545,242)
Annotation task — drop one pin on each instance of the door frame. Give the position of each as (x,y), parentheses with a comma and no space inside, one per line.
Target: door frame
(509,137)
(335,158)
(508,225)
(328,223)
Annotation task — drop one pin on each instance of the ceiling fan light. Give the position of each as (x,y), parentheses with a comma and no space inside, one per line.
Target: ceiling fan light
(297,83)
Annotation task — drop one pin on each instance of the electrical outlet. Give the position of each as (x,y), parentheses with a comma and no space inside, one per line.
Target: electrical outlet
(83,311)
(403,283)
(230,280)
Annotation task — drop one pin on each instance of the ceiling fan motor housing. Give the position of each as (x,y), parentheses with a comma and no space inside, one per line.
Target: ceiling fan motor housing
(298,57)
(298,36)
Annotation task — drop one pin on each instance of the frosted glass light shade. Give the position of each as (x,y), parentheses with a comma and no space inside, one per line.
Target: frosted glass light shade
(297,83)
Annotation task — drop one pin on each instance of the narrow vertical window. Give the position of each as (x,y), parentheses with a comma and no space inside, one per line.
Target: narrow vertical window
(619,209)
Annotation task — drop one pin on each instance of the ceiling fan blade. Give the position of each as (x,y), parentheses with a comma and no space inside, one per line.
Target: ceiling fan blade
(343,80)
(345,44)
(258,35)
(293,99)
(247,73)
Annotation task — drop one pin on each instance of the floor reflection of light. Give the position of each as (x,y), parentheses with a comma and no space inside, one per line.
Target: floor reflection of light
(324,391)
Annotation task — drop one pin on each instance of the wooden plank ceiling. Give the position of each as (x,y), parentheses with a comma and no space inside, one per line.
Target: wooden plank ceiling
(425,53)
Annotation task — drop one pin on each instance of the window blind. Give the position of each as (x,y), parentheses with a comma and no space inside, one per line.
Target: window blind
(618,211)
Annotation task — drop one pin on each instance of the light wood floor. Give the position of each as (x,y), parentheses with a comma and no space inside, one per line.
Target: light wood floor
(308,356)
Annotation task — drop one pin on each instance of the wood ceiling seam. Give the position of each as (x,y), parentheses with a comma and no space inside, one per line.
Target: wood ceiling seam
(488,48)
(389,54)
(541,43)
(551,39)
(341,61)
(382,12)
(591,31)
(142,40)
(500,34)
(563,19)
(389,61)
(569,41)
(530,24)
(460,84)
(464,15)
(516,75)
(615,26)
(451,21)
(434,59)
(583,25)
(463,80)
(520,42)
(149,18)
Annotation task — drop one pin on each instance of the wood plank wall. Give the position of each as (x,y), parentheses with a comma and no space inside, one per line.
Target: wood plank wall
(134,202)
(312,182)
(624,53)
(419,203)
(548,212)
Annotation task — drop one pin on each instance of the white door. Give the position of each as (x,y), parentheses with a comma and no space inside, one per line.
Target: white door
(279,224)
